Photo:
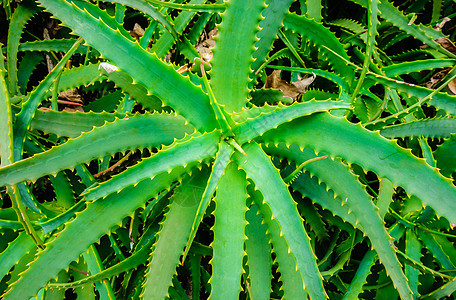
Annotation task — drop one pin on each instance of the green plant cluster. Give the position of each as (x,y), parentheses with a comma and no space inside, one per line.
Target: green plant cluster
(311,153)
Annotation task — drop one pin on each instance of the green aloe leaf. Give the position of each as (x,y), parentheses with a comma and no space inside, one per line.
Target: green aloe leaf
(71,124)
(233,93)
(290,276)
(173,235)
(193,148)
(129,134)
(321,36)
(229,234)
(159,78)
(337,137)
(56,45)
(20,17)
(353,195)
(280,114)
(440,128)
(258,250)
(221,162)
(276,196)
(273,16)
(416,66)
(77,236)
(32,102)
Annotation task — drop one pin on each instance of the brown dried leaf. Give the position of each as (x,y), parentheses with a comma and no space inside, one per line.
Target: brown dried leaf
(439,26)
(204,52)
(446,44)
(70,95)
(437,77)
(452,86)
(293,90)
(204,47)
(137,32)
(303,83)
(75,109)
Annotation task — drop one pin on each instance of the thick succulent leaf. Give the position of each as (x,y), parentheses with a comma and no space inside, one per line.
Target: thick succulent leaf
(441,248)
(361,274)
(128,134)
(351,25)
(425,34)
(229,234)
(440,128)
(108,20)
(190,7)
(322,192)
(150,11)
(385,197)
(21,16)
(57,221)
(193,148)
(160,79)
(445,156)
(28,64)
(417,66)
(258,250)
(162,46)
(174,233)
(56,45)
(236,41)
(354,195)
(338,137)
(77,76)
(321,36)
(273,16)
(440,100)
(314,220)
(71,124)
(250,129)
(95,265)
(135,90)
(413,249)
(6,124)
(34,98)
(372,16)
(77,236)
(15,250)
(290,276)
(221,162)
(137,258)
(277,198)
(442,292)
(319,193)
(314,8)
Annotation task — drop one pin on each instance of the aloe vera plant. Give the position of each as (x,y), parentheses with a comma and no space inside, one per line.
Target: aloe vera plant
(188,178)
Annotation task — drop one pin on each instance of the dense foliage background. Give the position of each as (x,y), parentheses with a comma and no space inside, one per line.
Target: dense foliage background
(228,149)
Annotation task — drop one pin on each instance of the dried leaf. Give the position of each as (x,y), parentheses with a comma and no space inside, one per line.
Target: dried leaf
(293,90)
(137,32)
(75,109)
(452,86)
(437,77)
(446,44)
(439,26)
(303,83)
(70,95)
(204,47)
